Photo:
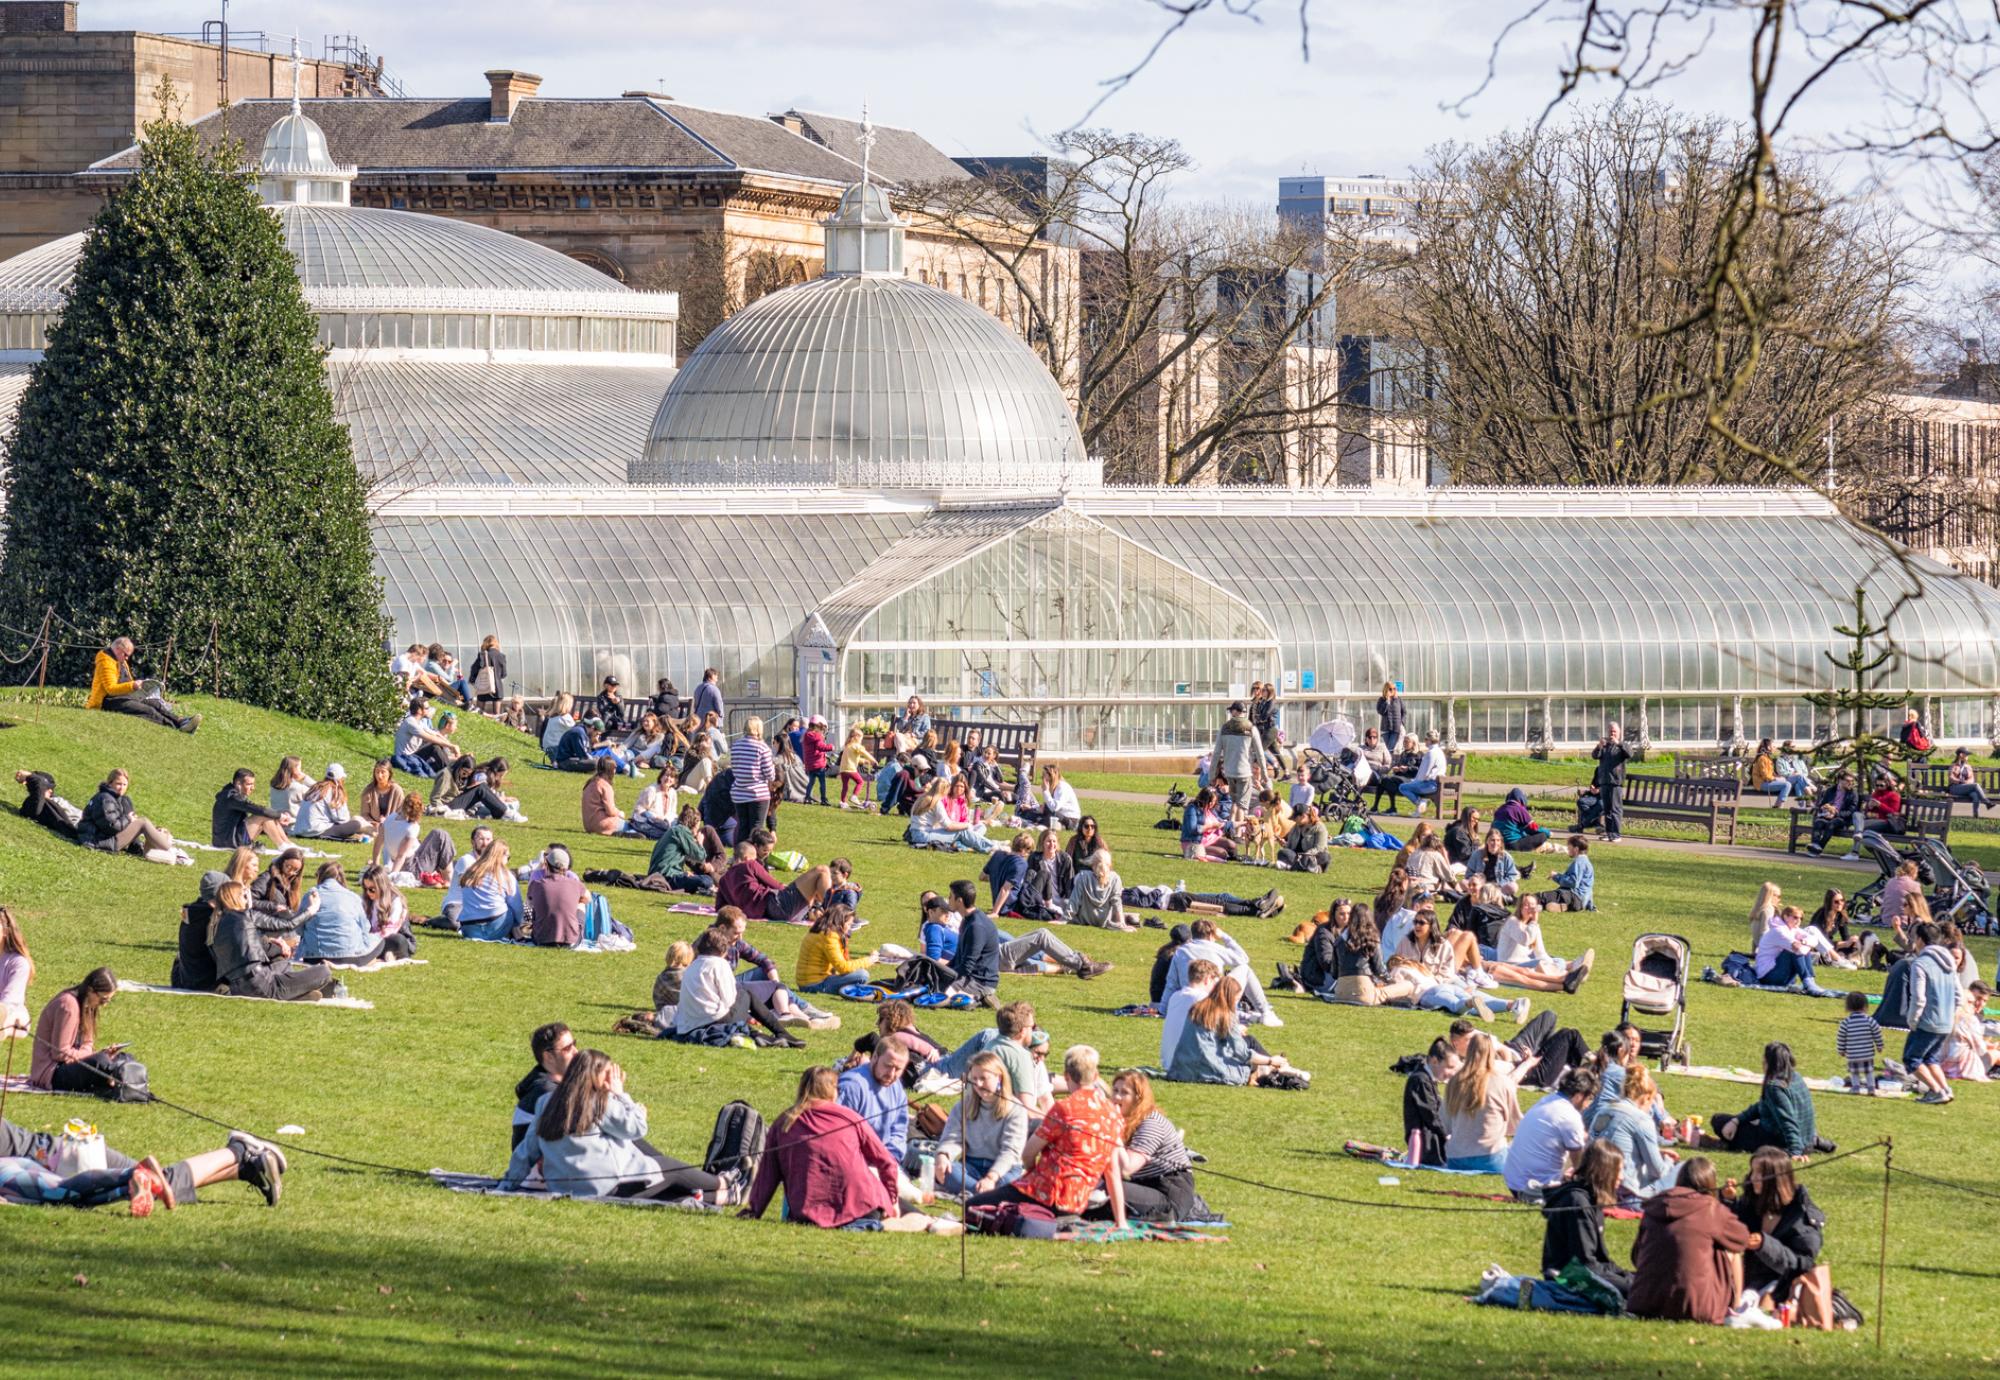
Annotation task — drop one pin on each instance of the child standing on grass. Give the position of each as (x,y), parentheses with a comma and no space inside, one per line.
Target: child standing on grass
(1302,791)
(854,761)
(1859,1039)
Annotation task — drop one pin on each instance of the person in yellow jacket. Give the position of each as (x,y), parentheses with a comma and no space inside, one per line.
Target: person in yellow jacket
(114,687)
(824,962)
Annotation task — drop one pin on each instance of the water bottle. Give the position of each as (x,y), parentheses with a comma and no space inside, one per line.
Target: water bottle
(1181,885)
(927,1173)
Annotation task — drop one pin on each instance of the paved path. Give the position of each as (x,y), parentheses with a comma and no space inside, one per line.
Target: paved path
(1738,852)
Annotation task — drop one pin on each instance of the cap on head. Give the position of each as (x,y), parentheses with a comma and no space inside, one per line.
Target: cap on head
(335,772)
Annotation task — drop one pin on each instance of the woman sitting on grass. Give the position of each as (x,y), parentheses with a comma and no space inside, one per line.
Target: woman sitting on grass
(931,826)
(1213,1049)
(1784,1266)
(1574,1209)
(112,824)
(1481,1110)
(714,1008)
(1782,1116)
(1154,1162)
(589,1137)
(388,913)
(323,811)
(832,1168)
(980,1146)
(492,905)
(1686,1264)
(66,1057)
(1627,1123)
(1427,961)
(824,963)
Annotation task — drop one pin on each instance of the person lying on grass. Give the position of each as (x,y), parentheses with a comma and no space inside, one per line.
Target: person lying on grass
(834,1171)
(256,1163)
(589,1138)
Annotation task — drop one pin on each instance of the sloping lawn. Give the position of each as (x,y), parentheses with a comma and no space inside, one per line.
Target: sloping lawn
(367,1272)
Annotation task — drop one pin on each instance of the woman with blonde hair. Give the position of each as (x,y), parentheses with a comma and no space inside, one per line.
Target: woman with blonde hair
(1770,900)
(559,720)
(492,906)
(1481,1110)
(856,765)
(17,970)
(489,674)
(987,1130)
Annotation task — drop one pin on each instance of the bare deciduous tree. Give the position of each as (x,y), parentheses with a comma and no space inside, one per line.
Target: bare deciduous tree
(1195,339)
(1559,278)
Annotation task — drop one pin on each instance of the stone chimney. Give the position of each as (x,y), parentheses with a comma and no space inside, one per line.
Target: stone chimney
(510,88)
(38,17)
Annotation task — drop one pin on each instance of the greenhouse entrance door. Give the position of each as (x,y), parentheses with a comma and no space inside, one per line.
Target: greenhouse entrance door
(818,662)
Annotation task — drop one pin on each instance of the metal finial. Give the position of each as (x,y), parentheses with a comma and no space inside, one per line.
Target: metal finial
(867,141)
(298,69)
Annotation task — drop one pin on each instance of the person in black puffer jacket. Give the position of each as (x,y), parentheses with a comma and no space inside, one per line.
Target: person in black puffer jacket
(1775,1205)
(1574,1210)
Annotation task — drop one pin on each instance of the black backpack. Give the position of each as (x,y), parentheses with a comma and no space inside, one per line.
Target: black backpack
(738,1141)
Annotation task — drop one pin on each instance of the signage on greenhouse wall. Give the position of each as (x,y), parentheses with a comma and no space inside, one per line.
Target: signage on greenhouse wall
(1307,678)
(753,687)
(1182,687)
(1292,681)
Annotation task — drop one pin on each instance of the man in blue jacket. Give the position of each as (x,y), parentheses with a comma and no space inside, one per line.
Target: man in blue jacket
(1933,1011)
(977,961)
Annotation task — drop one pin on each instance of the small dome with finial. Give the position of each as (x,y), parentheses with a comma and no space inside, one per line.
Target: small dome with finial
(296,166)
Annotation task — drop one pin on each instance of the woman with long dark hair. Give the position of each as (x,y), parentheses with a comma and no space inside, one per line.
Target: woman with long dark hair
(1781,1117)
(589,1138)
(66,1057)
(1575,1212)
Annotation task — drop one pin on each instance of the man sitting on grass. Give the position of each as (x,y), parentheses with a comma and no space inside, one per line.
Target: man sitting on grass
(113,687)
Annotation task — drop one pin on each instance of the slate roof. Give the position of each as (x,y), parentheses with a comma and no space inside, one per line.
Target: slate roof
(901,156)
(634,133)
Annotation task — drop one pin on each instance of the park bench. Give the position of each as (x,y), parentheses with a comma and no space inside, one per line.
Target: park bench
(1705,800)
(1701,767)
(1015,744)
(1932,780)
(1924,816)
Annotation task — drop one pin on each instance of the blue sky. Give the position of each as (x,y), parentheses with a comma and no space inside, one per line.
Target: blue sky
(990,76)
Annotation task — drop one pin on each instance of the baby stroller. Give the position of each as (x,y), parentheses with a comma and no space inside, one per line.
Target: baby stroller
(1865,904)
(1963,894)
(1335,770)
(1656,985)
(1177,802)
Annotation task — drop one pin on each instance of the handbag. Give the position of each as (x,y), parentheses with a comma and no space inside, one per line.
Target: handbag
(79,1149)
(485,684)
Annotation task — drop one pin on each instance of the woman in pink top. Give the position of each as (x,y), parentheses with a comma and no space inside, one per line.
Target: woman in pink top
(66,1057)
(601,814)
(17,970)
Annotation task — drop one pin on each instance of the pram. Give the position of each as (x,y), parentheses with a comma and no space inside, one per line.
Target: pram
(1177,802)
(1656,985)
(1336,771)
(1957,890)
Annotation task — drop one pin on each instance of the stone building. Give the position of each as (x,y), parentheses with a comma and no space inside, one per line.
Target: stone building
(1926,471)
(69,97)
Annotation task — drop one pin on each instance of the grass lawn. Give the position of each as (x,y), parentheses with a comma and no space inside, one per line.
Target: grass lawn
(365,1273)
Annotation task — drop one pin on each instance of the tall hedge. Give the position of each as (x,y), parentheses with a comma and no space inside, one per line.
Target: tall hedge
(177,470)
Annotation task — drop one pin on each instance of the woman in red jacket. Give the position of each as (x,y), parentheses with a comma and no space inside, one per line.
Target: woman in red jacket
(832,1167)
(1687,1264)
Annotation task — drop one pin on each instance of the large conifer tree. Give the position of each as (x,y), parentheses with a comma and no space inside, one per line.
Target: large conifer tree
(177,470)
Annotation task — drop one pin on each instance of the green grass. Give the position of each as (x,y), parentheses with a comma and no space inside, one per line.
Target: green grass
(362,1273)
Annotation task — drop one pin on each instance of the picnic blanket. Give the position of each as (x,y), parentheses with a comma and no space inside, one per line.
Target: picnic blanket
(17,1083)
(690,908)
(1388,1159)
(604,944)
(1106,1233)
(875,993)
(343,1003)
(1889,1087)
(490,1188)
(378,965)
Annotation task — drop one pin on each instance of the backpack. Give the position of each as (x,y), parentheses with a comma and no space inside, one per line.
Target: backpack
(129,1080)
(1014,1219)
(737,1142)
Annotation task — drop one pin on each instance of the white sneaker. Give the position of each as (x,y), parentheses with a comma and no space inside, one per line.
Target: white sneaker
(1849,856)
(1491,1273)
(1271,1019)
(1753,1318)
(1520,1011)
(1480,978)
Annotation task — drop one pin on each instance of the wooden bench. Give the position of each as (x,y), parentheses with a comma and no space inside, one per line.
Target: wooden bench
(1708,800)
(1932,780)
(1015,744)
(1697,767)
(1924,816)
(1450,795)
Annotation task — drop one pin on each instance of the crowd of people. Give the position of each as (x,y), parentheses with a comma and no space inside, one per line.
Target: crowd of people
(1021,1145)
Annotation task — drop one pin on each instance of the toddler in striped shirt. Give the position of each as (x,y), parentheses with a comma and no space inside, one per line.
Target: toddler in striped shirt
(1859,1039)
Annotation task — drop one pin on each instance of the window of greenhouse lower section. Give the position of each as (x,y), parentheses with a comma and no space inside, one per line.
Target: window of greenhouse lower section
(1049,617)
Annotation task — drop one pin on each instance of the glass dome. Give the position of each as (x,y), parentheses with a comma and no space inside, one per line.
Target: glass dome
(296,166)
(866,382)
